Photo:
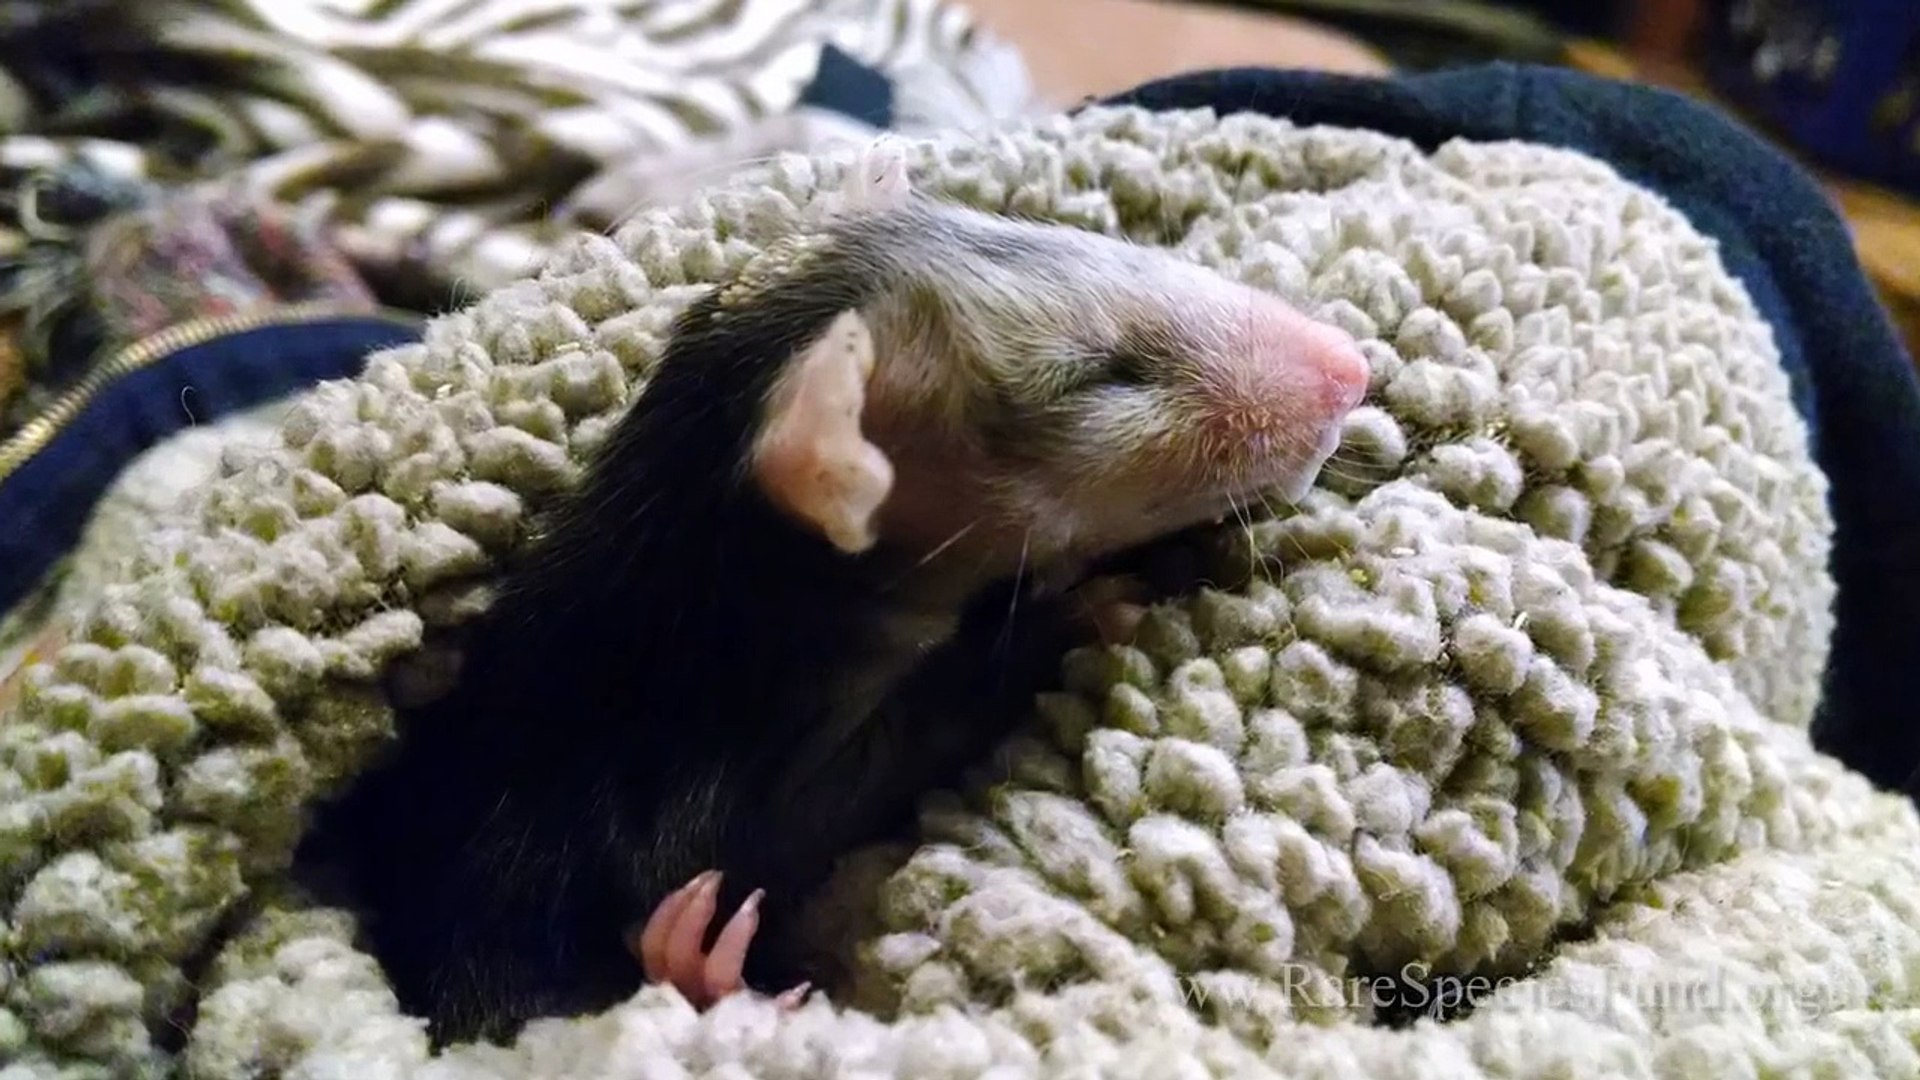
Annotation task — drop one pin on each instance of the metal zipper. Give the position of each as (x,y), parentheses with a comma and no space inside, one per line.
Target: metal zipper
(36,433)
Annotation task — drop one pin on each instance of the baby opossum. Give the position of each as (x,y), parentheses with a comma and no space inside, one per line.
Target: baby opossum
(741,647)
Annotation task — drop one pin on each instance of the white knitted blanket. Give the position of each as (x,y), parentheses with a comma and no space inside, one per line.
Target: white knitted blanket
(1511,714)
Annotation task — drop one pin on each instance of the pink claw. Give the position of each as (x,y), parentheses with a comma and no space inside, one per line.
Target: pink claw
(1112,607)
(669,945)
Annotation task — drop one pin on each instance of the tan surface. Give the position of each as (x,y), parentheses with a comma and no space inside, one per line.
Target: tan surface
(1086,48)
(1886,229)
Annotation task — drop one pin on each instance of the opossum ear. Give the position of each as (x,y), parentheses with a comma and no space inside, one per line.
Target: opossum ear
(879,178)
(811,459)
(875,181)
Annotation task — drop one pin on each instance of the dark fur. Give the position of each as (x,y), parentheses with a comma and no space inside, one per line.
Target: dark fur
(628,710)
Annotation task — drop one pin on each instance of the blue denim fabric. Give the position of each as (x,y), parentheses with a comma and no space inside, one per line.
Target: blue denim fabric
(45,504)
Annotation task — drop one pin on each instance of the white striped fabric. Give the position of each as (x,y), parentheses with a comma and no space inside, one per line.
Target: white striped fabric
(458,138)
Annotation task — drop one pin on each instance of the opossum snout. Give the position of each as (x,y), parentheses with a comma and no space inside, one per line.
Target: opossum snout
(1049,393)
(1336,357)
(1269,389)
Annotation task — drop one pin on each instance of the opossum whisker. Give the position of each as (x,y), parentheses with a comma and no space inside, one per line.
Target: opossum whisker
(1003,642)
(1242,513)
(1351,478)
(1351,459)
(941,548)
(1292,507)
(1267,501)
(696,178)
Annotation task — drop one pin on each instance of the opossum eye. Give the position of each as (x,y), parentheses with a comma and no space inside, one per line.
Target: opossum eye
(1128,366)
(1140,355)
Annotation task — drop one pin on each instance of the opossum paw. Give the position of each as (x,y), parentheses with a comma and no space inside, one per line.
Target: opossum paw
(792,999)
(1111,606)
(670,944)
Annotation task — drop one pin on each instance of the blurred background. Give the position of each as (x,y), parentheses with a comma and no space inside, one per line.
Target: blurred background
(1835,82)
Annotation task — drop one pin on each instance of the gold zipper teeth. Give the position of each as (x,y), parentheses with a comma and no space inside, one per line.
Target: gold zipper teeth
(36,433)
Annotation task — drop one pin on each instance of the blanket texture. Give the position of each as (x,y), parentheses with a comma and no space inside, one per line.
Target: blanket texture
(1778,233)
(1488,759)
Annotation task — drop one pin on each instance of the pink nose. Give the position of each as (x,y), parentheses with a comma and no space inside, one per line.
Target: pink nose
(1343,368)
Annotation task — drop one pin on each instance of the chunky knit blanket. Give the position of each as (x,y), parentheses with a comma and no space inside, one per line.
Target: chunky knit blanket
(1488,759)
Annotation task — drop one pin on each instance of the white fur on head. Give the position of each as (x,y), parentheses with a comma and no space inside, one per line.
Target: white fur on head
(811,459)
